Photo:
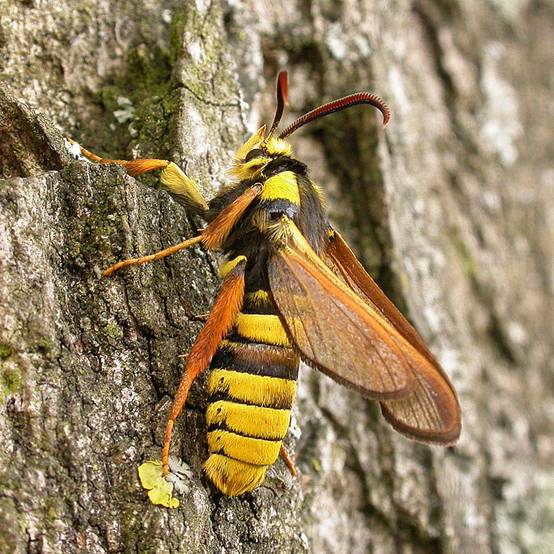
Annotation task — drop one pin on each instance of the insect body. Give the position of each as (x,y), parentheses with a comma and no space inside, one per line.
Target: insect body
(292,289)
(253,380)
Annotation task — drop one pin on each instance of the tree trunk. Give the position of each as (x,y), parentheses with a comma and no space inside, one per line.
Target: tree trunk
(451,208)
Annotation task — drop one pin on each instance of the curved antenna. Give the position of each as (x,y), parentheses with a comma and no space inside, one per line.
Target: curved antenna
(337,106)
(282,99)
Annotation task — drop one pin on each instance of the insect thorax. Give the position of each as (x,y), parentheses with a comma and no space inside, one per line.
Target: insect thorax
(286,190)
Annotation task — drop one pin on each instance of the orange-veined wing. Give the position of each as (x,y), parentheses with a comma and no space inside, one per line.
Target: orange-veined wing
(431,412)
(332,327)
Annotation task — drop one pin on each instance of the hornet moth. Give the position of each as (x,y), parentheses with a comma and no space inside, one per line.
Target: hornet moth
(291,290)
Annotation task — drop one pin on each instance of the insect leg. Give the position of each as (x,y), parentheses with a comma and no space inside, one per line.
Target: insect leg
(212,236)
(215,234)
(288,461)
(172,178)
(152,257)
(220,321)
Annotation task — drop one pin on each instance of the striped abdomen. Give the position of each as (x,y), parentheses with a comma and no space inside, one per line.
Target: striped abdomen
(252,386)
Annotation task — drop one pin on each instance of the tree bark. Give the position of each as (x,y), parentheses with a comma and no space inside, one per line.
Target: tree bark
(451,208)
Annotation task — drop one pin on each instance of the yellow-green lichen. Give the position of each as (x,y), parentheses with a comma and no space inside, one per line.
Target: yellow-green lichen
(10,382)
(5,351)
(316,464)
(113,331)
(160,491)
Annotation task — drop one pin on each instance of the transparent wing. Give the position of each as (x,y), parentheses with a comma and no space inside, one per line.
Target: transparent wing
(431,411)
(332,327)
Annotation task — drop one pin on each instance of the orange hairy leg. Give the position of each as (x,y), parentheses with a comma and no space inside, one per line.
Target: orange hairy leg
(172,178)
(133,167)
(214,235)
(220,320)
(211,237)
(152,257)
(288,461)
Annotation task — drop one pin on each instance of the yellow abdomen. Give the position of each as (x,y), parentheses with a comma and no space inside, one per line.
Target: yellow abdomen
(252,388)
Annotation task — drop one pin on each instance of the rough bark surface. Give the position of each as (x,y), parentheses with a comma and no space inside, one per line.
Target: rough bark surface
(452,208)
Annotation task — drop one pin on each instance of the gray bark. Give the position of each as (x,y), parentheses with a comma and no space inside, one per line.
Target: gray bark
(451,208)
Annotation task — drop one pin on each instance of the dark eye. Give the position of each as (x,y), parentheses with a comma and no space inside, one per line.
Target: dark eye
(256,153)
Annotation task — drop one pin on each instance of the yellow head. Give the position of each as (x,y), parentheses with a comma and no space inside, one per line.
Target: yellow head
(252,157)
